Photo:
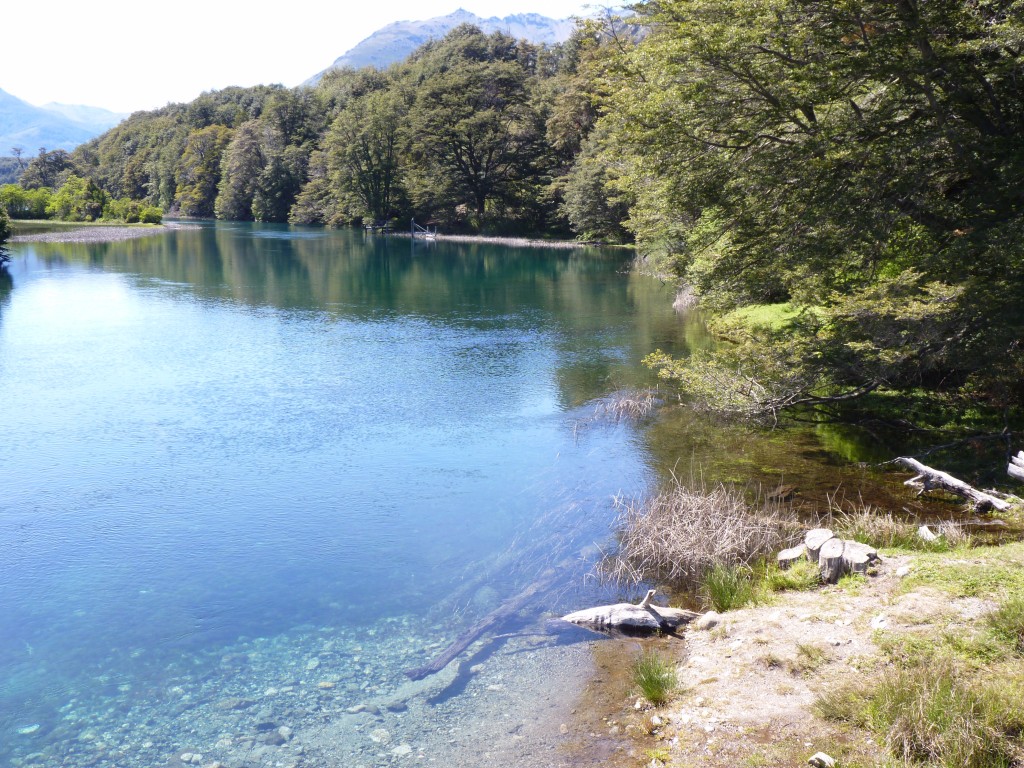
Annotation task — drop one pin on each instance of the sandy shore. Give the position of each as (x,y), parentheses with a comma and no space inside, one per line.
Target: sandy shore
(97,233)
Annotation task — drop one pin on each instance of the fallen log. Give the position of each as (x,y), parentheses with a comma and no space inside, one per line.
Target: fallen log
(502,612)
(928,479)
(1015,468)
(629,618)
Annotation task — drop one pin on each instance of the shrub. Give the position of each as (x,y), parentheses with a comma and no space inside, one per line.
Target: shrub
(801,575)
(654,676)
(151,215)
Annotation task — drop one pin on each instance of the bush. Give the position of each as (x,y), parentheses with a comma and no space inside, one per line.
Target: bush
(151,215)
(655,677)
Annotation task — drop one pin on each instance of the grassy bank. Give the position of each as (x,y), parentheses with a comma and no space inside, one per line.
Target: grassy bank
(920,663)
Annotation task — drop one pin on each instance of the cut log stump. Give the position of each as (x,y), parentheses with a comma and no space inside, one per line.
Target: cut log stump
(787,557)
(830,560)
(814,540)
(858,557)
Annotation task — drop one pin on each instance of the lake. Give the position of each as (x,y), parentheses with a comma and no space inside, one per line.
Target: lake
(254,473)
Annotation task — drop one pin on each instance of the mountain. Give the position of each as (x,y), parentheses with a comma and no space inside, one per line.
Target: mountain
(396,41)
(55,126)
(95,118)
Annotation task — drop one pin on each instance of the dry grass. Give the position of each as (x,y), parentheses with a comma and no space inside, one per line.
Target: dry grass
(679,536)
(869,524)
(627,405)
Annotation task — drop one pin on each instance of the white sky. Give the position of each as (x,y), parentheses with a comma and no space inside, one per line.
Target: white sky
(126,55)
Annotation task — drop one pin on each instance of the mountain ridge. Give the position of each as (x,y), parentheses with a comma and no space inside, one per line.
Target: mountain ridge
(54,126)
(395,41)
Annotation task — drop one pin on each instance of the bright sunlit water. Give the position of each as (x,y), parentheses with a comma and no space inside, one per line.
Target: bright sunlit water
(289,449)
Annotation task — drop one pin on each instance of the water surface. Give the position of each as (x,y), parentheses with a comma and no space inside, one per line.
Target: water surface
(253,473)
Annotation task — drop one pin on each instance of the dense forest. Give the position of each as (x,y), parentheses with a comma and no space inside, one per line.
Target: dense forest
(841,185)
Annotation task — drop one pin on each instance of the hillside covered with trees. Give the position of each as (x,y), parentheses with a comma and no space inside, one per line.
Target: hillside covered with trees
(841,185)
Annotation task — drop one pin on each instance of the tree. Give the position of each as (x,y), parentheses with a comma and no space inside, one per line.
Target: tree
(242,164)
(198,171)
(78,199)
(858,160)
(5,233)
(473,134)
(363,150)
(48,169)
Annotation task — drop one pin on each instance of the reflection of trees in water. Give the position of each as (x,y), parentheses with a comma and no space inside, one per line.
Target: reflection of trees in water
(602,318)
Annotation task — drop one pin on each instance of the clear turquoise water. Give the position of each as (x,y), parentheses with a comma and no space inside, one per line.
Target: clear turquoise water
(241,435)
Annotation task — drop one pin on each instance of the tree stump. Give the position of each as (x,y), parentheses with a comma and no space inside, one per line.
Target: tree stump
(787,557)
(830,560)
(814,540)
(857,557)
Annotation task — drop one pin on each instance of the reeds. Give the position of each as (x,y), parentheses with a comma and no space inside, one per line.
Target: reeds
(678,536)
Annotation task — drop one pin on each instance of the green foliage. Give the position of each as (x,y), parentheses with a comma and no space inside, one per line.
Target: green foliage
(49,170)
(5,231)
(654,676)
(728,587)
(78,199)
(24,203)
(198,173)
(859,160)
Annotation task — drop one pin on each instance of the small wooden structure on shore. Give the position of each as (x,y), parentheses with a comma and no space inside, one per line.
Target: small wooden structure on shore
(379,227)
(422,233)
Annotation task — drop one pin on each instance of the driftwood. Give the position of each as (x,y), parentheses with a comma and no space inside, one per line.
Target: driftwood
(1015,468)
(632,619)
(928,479)
(502,612)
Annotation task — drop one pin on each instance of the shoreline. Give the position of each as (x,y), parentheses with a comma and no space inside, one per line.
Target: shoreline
(94,233)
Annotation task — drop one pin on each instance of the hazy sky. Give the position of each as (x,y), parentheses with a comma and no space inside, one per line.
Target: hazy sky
(126,55)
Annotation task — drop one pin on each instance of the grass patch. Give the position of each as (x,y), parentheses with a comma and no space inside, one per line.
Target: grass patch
(801,576)
(655,677)
(728,587)
(982,572)
(934,714)
(1007,622)
(883,530)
